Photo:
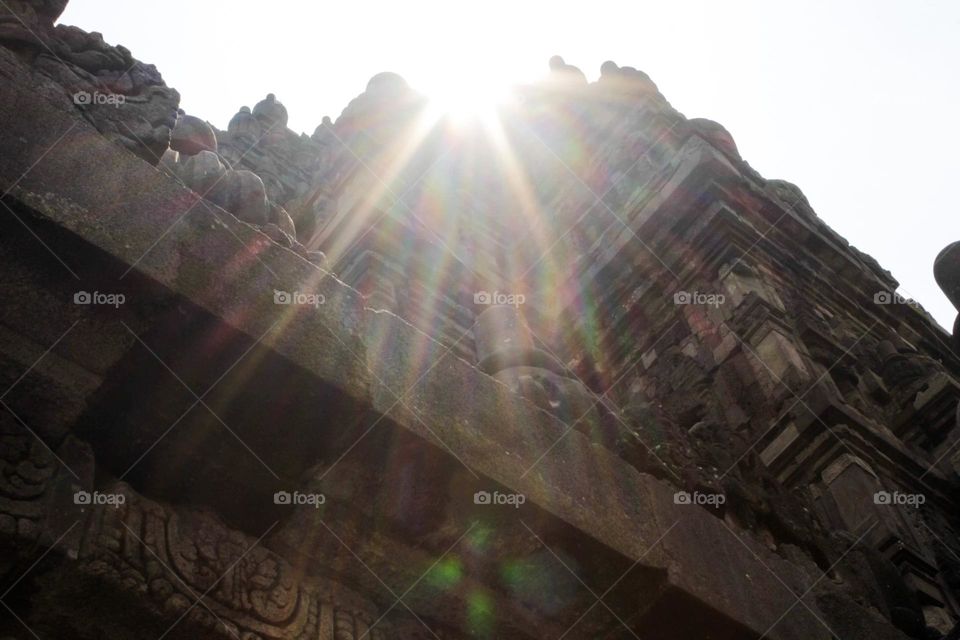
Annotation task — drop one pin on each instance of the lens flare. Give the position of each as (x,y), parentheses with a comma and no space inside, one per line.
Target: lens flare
(466,97)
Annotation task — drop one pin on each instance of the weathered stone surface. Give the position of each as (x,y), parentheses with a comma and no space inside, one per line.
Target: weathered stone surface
(242,194)
(126,100)
(483,438)
(201,172)
(191,135)
(717,134)
(29,21)
(169,557)
(274,232)
(712,427)
(271,112)
(280,217)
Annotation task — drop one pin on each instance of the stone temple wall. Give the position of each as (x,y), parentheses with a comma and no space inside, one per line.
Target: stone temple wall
(576,371)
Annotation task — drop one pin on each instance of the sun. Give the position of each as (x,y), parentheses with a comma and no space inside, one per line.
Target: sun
(465,97)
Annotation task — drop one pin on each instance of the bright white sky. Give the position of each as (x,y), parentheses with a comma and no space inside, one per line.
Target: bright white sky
(857,102)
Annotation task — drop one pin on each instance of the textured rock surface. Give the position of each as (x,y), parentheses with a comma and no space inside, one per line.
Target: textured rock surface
(125,99)
(715,411)
(242,194)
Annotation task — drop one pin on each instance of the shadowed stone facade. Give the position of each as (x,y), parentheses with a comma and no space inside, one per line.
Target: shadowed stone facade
(577,371)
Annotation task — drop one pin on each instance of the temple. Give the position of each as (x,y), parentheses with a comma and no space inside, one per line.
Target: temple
(574,370)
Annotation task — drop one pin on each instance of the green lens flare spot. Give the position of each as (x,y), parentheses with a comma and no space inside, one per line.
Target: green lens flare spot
(480,614)
(446,574)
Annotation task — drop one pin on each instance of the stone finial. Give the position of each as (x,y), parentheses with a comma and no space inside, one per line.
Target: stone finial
(387,83)
(609,68)
(946,271)
(564,72)
(242,193)
(191,135)
(201,171)
(245,124)
(271,112)
(322,132)
(626,80)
